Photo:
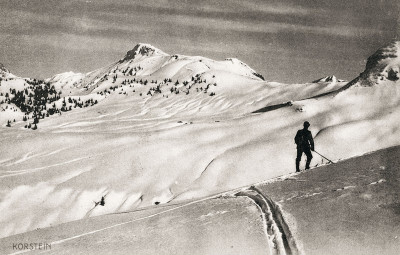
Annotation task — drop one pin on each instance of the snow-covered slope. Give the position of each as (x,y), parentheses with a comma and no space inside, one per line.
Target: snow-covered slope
(65,81)
(9,83)
(351,207)
(163,85)
(346,208)
(151,138)
(147,62)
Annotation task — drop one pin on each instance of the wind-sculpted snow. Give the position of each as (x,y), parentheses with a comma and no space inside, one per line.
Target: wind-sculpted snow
(181,128)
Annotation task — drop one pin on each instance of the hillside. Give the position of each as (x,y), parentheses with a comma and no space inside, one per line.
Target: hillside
(333,209)
(161,85)
(153,128)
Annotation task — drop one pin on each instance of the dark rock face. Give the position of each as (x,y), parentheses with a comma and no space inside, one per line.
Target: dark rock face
(375,59)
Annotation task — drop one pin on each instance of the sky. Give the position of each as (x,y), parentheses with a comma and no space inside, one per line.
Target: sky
(284,40)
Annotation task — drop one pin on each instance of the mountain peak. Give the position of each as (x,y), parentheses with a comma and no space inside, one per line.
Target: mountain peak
(143,49)
(331,78)
(383,64)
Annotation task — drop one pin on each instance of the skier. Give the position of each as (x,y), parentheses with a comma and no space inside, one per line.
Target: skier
(305,143)
(102,202)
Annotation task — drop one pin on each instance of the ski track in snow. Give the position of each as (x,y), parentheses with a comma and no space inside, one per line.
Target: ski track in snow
(115,225)
(24,158)
(303,196)
(377,182)
(26,171)
(29,155)
(274,240)
(279,237)
(333,190)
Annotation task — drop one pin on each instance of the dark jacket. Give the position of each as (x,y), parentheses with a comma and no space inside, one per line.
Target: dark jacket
(304,139)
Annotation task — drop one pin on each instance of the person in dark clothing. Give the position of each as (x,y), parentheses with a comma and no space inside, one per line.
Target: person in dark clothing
(305,143)
(102,202)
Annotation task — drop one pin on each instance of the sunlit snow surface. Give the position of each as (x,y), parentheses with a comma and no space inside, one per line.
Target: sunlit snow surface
(142,150)
(350,207)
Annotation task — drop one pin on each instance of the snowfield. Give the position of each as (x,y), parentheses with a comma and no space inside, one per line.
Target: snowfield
(172,128)
(351,207)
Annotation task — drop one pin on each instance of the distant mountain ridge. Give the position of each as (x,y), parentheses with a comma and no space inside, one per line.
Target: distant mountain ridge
(146,62)
(331,78)
(147,72)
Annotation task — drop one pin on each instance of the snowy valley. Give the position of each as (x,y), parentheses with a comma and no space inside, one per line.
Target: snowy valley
(153,130)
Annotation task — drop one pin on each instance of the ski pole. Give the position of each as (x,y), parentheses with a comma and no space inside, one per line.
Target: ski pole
(323,156)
